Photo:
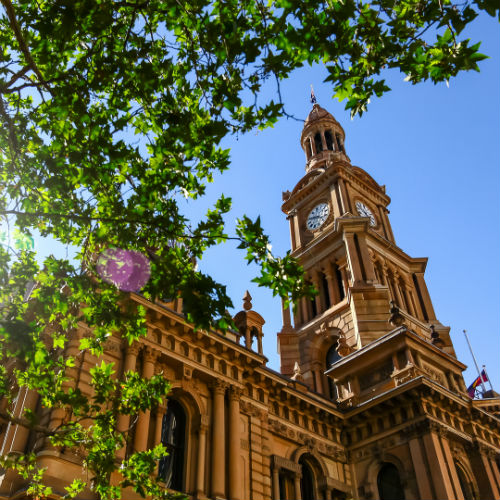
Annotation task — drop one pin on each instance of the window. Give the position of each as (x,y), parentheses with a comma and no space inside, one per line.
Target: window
(332,356)
(173,435)
(284,487)
(389,483)
(317,143)
(326,293)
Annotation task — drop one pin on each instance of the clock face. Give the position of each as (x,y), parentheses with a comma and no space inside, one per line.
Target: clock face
(317,216)
(364,211)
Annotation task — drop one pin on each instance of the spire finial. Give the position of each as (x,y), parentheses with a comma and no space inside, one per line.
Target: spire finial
(313,96)
(247,301)
(297,375)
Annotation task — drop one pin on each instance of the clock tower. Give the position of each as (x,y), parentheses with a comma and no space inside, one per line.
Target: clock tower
(342,236)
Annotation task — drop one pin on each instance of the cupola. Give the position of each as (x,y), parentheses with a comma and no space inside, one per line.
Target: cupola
(322,138)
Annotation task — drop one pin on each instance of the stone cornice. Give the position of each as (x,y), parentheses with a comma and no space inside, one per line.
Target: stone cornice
(339,168)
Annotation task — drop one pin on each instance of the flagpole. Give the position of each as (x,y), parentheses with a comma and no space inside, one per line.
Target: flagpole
(488,377)
(475,362)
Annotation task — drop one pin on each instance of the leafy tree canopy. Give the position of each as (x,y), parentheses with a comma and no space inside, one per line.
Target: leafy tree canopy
(112,112)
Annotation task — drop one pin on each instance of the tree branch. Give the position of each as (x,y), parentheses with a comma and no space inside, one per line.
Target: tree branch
(11,14)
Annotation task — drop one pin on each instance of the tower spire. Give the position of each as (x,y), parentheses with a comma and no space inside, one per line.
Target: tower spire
(322,137)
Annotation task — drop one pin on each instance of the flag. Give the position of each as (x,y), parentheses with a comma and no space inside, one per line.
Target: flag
(313,97)
(472,388)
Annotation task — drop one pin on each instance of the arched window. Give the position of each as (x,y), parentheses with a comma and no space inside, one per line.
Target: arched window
(173,437)
(389,483)
(329,140)
(306,481)
(465,484)
(332,356)
(317,143)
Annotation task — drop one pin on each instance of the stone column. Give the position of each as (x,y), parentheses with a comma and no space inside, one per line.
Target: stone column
(323,140)
(451,467)
(494,467)
(276,483)
(200,468)
(313,145)
(318,377)
(438,470)
(304,309)
(421,472)
(235,475)
(285,313)
(298,493)
(296,230)
(353,258)
(425,296)
(160,412)
(397,291)
(488,488)
(129,364)
(334,196)
(406,293)
(343,196)
(260,349)
(218,440)
(293,236)
(142,429)
(27,400)
(318,299)
(333,290)
(365,257)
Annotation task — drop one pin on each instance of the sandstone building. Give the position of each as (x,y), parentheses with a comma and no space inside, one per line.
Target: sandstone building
(370,402)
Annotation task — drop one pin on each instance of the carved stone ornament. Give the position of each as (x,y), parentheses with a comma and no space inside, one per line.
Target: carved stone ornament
(112,346)
(297,375)
(219,386)
(235,393)
(249,409)
(396,318)
(436,339)
(149,354)
(343,348)
(407,373)
(187,372)
(132,349)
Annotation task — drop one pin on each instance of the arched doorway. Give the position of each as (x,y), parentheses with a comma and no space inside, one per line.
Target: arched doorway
(389,483)
(173,437)
(465,483)
(307,483)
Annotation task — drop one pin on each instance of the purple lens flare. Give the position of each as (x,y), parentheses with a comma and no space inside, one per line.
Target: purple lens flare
(128,270)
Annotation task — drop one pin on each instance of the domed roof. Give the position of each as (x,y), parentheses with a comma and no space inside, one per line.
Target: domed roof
(318,113)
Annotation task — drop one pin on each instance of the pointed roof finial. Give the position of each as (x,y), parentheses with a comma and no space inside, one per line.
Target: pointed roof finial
(297,375)
(313,96)
(247,301)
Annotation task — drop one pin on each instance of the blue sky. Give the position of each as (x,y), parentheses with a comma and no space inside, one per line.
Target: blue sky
(436,148)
